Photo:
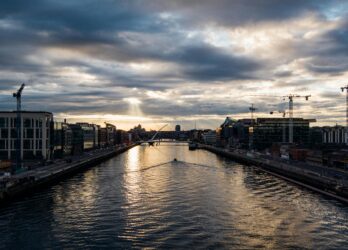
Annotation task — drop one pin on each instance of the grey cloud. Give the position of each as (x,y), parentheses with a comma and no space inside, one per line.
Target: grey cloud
(241,12)
(208,63)
(332,69)
(108,35)
(328,52)
(284,73)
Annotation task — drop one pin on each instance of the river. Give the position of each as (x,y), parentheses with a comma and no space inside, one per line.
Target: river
(142,198)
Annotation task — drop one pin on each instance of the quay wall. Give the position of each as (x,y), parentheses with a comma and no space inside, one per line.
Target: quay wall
(34,181)
(317,183)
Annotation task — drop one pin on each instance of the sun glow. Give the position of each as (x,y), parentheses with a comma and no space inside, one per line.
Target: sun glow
(132,100)
(134,106)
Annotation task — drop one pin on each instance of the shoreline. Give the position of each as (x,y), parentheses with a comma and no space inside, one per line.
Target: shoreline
(31,181)
(317,183)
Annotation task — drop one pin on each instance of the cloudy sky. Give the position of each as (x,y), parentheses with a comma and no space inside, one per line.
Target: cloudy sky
(177,61)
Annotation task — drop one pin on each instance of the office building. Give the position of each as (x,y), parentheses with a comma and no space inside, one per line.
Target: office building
(35,135)
(334,135)
(77,141)
(276,130)
(110,134)
(90,135)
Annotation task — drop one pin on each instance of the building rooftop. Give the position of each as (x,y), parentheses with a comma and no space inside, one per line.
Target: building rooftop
(277,119)
(26,112)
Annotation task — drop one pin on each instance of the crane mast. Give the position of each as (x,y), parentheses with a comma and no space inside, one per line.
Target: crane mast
(18,96)
(346,132)
(251,130)
(291,113)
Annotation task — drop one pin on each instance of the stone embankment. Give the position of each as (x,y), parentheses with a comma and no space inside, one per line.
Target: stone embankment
(330,182)
(31,180)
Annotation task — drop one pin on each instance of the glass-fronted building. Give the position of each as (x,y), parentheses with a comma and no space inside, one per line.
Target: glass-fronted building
(276,130)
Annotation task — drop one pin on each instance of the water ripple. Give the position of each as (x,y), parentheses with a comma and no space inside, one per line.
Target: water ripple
(142,199)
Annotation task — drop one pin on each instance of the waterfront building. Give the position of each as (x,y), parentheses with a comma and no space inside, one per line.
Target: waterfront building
(110,134)
(334,135)
(276,130)
(121,136)
(90,135)
(209,137)
(35,135)
(62,139)
(138,133)
(225,133)
(315,137)
(102,137)
(77,141)
(328,137)
(235,132)
(195,135)
(96,141)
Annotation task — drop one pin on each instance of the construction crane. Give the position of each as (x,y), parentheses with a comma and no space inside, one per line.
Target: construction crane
(291,113)
(291,98)
(18,96)
(346,88)
(252,109)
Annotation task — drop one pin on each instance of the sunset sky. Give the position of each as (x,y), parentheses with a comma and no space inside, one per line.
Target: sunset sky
(177,61)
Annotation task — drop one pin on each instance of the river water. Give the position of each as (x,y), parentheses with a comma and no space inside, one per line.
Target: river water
(143,198)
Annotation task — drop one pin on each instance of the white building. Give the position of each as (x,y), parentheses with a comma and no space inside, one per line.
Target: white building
(334,135)
(35,135)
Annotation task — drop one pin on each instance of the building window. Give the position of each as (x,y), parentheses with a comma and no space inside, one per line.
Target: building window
(38,133)
(13,133)
(3,122)
(3,155)
(2,144)
(4,133)
(30,133)
(26,144)
(38,144)
(27,123)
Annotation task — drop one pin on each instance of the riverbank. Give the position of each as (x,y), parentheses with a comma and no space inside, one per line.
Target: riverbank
(29,181)
(314,178)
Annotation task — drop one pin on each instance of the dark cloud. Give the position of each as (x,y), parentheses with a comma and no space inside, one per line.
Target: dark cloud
(87,56)
(328,52)
(240,12)
(336,40)
(206,63)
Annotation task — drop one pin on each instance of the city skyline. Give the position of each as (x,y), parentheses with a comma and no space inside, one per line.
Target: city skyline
(174,62)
